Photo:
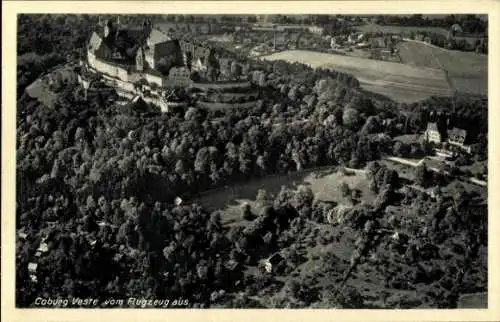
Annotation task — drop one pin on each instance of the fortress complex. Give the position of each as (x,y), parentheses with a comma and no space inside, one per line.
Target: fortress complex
(148,63)
(130,55)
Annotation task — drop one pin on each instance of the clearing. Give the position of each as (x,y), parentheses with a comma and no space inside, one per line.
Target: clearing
(324,183)
(400,82)
(42,89)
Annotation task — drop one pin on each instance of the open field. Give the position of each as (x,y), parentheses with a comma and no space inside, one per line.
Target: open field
(400,82)
(467,71)
(324,184)
(40,89)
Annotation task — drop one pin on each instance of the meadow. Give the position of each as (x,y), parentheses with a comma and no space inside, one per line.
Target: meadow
(400,82)
(467,71)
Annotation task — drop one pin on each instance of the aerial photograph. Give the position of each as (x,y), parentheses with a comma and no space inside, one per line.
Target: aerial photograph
(276,161)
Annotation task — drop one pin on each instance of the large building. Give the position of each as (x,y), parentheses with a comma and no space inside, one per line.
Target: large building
(147,63)
(453,140)
(144,53)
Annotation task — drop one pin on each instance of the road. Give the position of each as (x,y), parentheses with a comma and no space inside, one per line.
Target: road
(434,169)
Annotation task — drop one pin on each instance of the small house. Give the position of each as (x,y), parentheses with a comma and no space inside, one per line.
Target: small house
(32,267)
(271,264)
(178,201)
(43,247)
(457,136)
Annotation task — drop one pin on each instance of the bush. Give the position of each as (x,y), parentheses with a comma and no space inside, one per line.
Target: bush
(345,189)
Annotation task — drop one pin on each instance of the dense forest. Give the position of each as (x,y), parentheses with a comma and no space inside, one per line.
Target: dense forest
(96,183)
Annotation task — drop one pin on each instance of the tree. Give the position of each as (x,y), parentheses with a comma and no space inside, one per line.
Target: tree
(372,125)
(201,163)
(400,149)
(325,89)
(459,197)
(345,189)
(350,298)
(422,175)
(235,69)
(351,118)
(246,212)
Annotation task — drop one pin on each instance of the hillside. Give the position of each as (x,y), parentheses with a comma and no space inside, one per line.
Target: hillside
(115,199)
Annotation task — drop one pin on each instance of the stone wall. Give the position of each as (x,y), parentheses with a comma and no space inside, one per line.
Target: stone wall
(107,68)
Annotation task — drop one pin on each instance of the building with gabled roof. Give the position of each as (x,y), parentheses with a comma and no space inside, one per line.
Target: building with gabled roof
(457,136)
(432,133)
(97,47)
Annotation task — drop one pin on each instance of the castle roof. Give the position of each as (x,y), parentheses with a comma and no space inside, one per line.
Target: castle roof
(136,36)
(95,42)
(156,37)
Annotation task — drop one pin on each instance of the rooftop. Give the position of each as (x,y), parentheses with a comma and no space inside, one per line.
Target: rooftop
(457,131)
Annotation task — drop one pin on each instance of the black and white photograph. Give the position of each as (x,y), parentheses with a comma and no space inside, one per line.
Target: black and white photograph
(270,161)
